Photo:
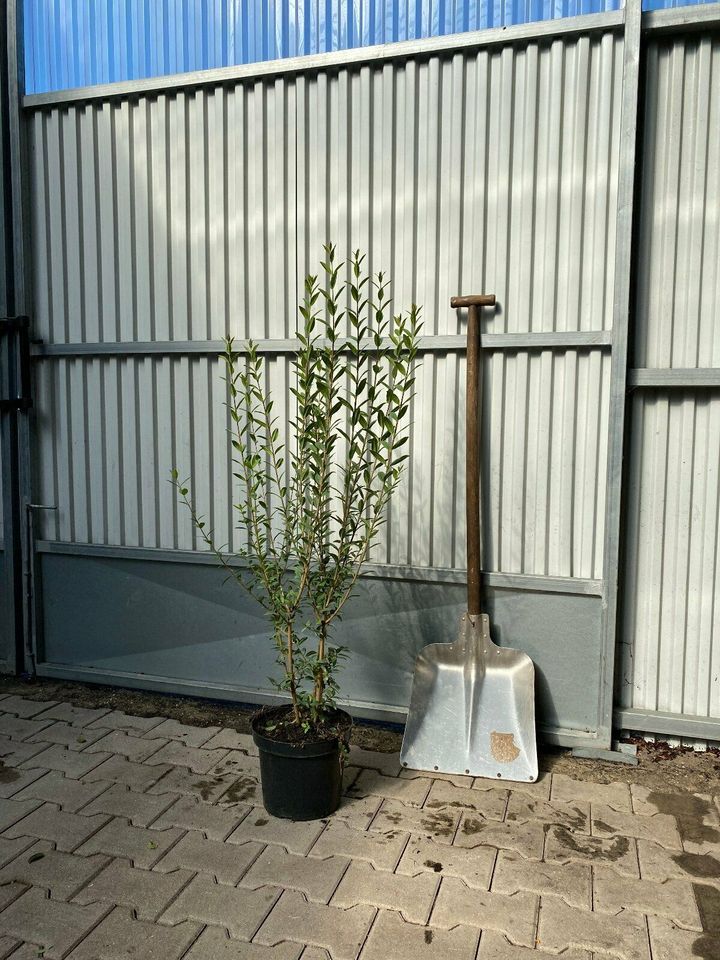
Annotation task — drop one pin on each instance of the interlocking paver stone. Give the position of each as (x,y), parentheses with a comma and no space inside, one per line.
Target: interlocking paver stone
(69,762)
(673,899)
(618,852)
(243,791)
(117,720)
(13,780)
(489,804)
(121,937)
(22,707)
(66,735)
(440,823)
(10,849)
(295,837)
(527,839)
(475,866)
(126,745)
(358,812)
(459,779)
(670,942)
(383,850)
(227,739)
(615,795)
(196,759)
(696,815)
(17,728)
(659,828)
(540,788)
(139,776)
(317,879)
(411,792)
(181,780)
(571,881)
(15,752)
(658,863)
(412,896)
(55,787)
(78,716)
(227,862)
(62,874)
(10,892)
(572,816)
(392,937)
(495,946)
(236,762)
(140,809)
(191,814)
(146,891)
(214,944)
(119,839)
(385,763)
(13,810)
(238,909)
(52,924)
(66,830)
(10,945)
(339,931)
(183,732)
(563,926)
(514,915)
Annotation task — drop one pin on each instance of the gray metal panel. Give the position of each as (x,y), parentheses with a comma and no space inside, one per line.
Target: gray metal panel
(174,624)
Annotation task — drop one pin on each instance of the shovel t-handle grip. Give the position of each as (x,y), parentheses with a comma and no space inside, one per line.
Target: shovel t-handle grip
(472,443)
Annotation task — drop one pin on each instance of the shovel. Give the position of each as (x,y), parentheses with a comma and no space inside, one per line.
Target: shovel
(472,707)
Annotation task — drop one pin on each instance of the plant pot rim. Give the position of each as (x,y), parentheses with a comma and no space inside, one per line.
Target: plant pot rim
(309,748)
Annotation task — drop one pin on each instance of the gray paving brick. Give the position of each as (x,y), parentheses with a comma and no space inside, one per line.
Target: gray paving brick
(658,863)
(17,728)
(140,809)
(55,787)
(571,881)
(66,735)
(527,839)
(440,823)
(180,780)
(13,810)
(119,839)
(341,932)
(23,707)
(52,924)
(69,762)
(659,828)
(490,804)
(673,899)
(215,944)
(475,866)
(10,892)
(139,776)
(66,830)
(215,822)
(514,915)
(410,792)
(78,716)
(358,812)
(540,788)
(619,852)
(10,945)
(10,849)
(495,946)
(238,909)
(61,874)
(563,926)
(412,896)
(194,758)
(145,891)
(13,781)
(615,795)
(572,816)
(296,837)
(125,744)
(457,778)
(227,739)
(117,720)
(383,850)
(696,815)
(184,733)
(392,937)
(15,752)
(121,937)
(317,879)
(670,942)
(227,862)
(242,792)
(386,763)
(236,763)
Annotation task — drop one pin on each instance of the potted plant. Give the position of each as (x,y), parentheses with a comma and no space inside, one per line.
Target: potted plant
(311,505)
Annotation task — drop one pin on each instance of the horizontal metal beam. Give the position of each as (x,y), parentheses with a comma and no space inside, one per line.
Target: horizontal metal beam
(446,343)
(698,16)
(661,722)
(362,56)
(501,581)
(674,377)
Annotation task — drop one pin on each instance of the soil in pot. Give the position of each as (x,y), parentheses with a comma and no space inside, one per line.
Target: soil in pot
(301,772)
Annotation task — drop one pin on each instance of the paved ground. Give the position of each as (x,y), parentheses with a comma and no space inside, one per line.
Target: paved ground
(125,837)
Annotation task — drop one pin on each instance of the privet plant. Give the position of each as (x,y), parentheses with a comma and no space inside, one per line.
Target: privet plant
(311,507)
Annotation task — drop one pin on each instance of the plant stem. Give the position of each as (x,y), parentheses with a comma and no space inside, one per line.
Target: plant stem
(291,673)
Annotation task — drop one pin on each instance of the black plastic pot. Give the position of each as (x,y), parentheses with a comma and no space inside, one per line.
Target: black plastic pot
(300,781)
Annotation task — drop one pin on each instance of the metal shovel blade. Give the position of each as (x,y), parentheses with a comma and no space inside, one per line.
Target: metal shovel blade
(472,708)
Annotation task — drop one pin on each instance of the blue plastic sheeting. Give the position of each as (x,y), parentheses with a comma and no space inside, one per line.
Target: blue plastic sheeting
(77,43)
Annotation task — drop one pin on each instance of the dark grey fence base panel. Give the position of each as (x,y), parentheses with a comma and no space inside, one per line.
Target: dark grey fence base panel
(179,627)
(7,652)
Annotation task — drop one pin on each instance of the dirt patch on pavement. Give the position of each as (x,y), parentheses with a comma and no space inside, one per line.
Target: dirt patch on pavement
(664,770)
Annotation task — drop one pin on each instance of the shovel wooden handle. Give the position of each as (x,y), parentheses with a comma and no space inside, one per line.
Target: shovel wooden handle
(472,443)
